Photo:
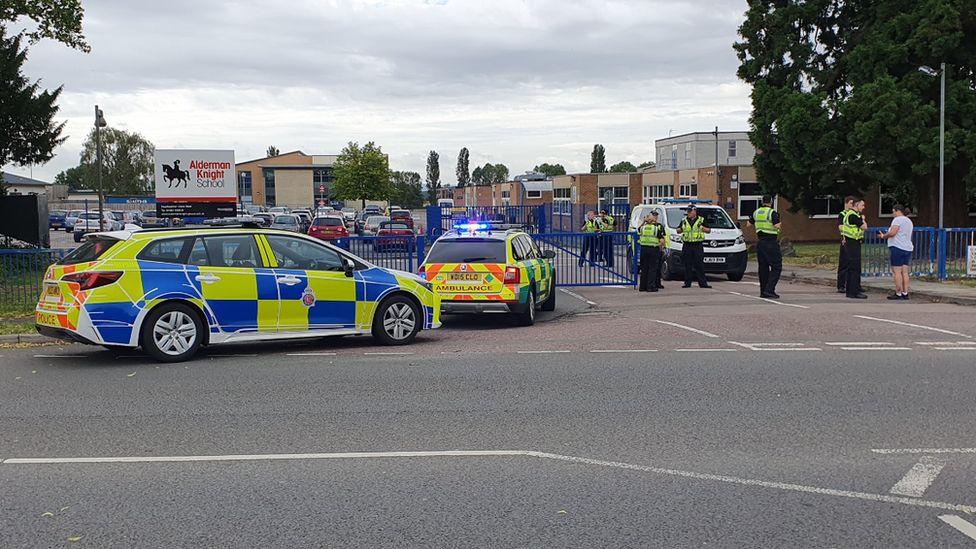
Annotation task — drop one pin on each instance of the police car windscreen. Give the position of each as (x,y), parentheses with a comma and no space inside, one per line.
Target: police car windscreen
(91,250)
(714,218)
(468,251)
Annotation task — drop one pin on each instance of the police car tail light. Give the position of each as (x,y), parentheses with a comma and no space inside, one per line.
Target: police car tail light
(422,270)
(92,279)
(512,275)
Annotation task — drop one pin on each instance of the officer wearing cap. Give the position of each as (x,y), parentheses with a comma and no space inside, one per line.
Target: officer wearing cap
(651,239)
(693,230)
(767,223)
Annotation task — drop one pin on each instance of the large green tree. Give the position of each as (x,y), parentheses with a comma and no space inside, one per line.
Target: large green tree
(58,20)
(74,178)
(28,132)
(598,159)
(433,176)
(361,173)
(646,165)
(623,167)
(839,103)
(490,173)
(127,162)
(407,189)
(550,170)
(463,175)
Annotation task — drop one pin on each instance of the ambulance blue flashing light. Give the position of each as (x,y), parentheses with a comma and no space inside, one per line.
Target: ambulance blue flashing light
(472,226)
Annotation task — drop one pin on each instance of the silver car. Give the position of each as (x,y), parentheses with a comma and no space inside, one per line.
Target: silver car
(373,224)
(287,222)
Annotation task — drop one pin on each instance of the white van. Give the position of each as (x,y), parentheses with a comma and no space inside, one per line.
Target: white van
(725,247)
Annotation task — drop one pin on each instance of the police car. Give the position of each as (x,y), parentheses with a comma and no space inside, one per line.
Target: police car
(725,246)
(485,268)
(171,291)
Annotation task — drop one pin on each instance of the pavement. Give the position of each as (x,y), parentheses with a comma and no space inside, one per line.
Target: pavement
(941,292)
(687,418)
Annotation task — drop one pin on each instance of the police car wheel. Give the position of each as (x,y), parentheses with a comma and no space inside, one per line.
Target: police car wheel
(396,321)
(172,332)
(527,317)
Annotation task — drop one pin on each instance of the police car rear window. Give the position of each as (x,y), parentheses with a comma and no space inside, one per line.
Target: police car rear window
(467,250)
(91,250)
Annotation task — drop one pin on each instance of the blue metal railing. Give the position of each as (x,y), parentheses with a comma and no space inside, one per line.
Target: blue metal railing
(22,277)
(938,253)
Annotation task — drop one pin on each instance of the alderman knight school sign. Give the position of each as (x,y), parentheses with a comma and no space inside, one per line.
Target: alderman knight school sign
(193,183)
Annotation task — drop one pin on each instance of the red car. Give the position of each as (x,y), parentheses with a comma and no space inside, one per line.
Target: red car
(401,216)
(393,235)
(331,229)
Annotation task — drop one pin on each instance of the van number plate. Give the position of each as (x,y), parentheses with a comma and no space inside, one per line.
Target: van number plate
(714,260)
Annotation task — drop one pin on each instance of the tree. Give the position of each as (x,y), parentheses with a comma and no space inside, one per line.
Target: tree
(598,159)
(127,162)
(463,177)
(361,173)
(500,173)
(272,151)
(29,133)
(74,178)
(55,19)
(477,177)
(623,167)
(407,190)
(646,165)
(433,176)
(838,103)
(550,170)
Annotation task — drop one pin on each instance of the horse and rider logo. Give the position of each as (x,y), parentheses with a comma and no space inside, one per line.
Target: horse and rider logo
(173,174)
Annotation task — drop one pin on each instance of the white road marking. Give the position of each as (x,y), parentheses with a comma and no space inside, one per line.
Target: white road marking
(594,313)
(706,350)
(965,527)
(233,356)
(623,351)
(910,325)
(954,348)
(773,301)
(943,343)
(387,354)
(683,327)
(577,296)
(311,354)
(775,346)
(878,498)
(59,356)
(924,450)
(919,477)
(859,343)
(747,282)
(876,348)
(539,352)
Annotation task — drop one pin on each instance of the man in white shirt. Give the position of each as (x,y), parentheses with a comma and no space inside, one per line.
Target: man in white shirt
(899,237)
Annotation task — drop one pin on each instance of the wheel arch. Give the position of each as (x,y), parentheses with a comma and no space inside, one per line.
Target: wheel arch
(193,307)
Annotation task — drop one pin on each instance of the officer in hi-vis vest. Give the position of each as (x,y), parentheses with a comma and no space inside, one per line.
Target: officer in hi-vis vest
(693,230)
(767,223)
(650,236)
(853,232)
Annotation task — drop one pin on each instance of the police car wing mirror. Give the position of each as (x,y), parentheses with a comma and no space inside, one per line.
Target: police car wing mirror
(549,254)
(349,266)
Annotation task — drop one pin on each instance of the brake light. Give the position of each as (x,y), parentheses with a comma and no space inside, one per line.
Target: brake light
(92,279)
(512,275)
(422,271)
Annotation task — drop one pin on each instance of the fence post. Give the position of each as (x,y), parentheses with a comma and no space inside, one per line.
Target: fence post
(421,242)
(434,218)
(943,237)
(541,215)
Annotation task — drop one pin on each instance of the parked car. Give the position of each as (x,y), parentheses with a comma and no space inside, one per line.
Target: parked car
(287,222)
(280,210)
(403,216)
(304,219)
(331,229)
(69,220)
(151,221)
(255,209)
(264,218)
(373,224)
(88,223)
(393,235)
(349,214)
(55,219)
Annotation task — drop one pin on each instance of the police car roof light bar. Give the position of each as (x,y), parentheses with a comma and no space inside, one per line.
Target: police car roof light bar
(684,201)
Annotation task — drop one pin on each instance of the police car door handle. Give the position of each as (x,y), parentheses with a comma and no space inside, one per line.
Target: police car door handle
(207,278)
(289,280)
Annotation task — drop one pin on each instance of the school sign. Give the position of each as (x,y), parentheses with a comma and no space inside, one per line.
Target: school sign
(195,183)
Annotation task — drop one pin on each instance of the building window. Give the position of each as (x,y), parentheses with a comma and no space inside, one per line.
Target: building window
(674,157)
(244,186)
(561,194)
(321,177)
(617,195)
(750,198)
(731,149)
(653,193)
(887,201)
(506,194)
(269,186)
(533,194)
(688,190)
(687,151)
(826,207)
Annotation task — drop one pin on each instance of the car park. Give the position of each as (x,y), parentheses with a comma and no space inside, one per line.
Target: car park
(393,235)
(403,216)
(287,222)
(372,224)
(330,229)
(304,219)
(88,223)
(69,220)
(725,247)
(151,221)
(56,219)
(173,291)
(476,269)
(277,210)
(349,215)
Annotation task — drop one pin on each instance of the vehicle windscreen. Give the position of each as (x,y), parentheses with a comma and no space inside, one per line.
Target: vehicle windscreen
(468,250)
(286,220)
(327,222)
(91,250)
(394,226)
(89,215)
(715,218)
(57,212)
(375,220)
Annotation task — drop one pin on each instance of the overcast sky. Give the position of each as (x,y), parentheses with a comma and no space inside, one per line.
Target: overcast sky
(516,81)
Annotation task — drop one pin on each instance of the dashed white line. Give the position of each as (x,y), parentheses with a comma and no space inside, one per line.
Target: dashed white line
(623,351)
(876,348)
(706,350)
(919,477)
(924,450)
(260,457)
(965,527)
(859,343)
(683,327)
(954,348)
(387,354)
(311,354)
(775,346)
(577,296)
(232,355)
(773,301)
(59,356)
(541,352)
(943,343)
(910,325)
(747,282)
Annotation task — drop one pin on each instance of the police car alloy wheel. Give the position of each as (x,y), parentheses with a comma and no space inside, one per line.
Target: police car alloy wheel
(171,333)
(396,321)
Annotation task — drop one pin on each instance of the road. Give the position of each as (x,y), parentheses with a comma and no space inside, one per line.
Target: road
(686,418)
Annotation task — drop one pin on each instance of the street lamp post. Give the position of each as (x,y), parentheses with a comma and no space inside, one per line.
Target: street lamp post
(942,84)
(99,124)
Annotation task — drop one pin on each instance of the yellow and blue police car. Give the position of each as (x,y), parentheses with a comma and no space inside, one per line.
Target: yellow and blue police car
(171,291)
(476,268)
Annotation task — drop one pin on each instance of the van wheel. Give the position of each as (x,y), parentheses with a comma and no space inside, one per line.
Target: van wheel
(666,272)
(735,277)
(396,321)
(172,332)
(630,259)
(550,303)
(527,317)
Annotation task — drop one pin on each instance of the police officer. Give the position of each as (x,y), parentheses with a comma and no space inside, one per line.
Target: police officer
(606,247)
(853,232)
(767,223)
(693,230)
(650,237)
(591,227)
(842,258)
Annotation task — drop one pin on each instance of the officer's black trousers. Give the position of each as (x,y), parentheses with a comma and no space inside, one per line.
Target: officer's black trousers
(650,267)
(588,253)
(693,257)
(853,266)
(770,265)
(842,268)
